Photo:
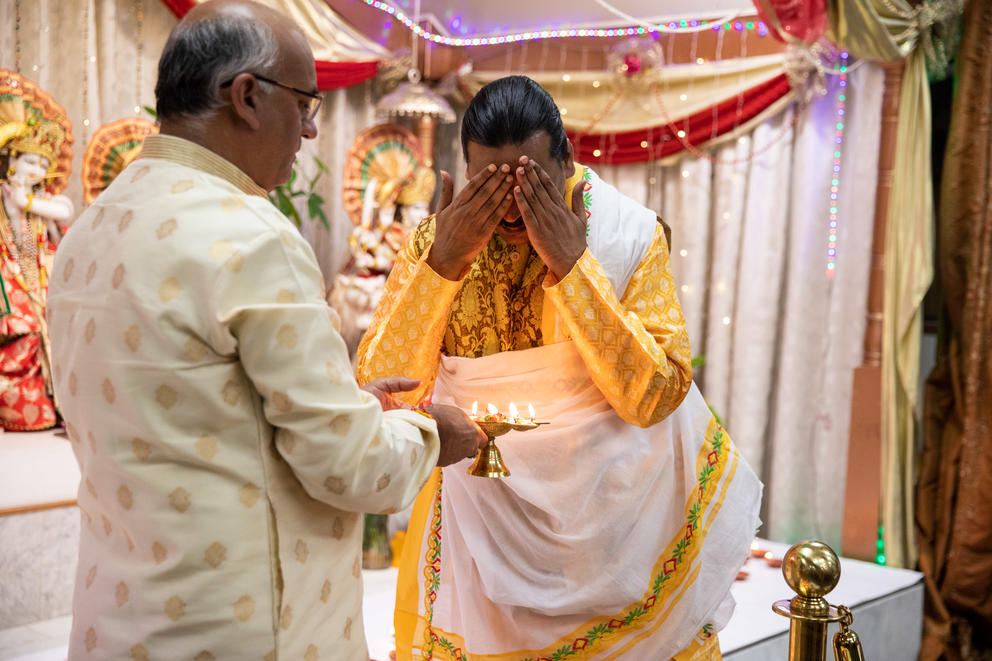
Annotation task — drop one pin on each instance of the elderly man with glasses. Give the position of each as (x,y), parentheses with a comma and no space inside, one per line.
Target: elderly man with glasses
(224,445)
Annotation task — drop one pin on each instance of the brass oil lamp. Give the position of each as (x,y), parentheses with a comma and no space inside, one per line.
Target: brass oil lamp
(489,462)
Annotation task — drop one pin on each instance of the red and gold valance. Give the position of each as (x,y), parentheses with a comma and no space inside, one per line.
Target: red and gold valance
(342,55)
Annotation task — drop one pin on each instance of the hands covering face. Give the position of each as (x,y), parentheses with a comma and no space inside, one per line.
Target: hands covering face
(465,223)
(557,232)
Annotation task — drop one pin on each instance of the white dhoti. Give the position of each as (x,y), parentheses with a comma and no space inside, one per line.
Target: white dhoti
(608,541)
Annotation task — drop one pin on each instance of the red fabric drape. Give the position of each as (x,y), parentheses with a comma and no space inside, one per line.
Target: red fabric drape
(179,7)
(330,75)
(790,20)
(699,128)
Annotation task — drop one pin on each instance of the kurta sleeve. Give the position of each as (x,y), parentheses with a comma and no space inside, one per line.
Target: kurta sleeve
(335,437)
(405,336)
(637,347)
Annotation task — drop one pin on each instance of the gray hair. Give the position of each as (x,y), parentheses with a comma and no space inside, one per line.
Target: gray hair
(202,55)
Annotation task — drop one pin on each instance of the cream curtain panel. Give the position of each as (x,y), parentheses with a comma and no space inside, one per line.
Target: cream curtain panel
(885,30)
(780,339)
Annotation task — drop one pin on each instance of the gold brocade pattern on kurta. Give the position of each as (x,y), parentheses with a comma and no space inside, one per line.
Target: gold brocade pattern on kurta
(635,345)
(498,307)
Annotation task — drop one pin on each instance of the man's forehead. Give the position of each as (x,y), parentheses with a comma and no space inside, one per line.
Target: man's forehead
(537,147)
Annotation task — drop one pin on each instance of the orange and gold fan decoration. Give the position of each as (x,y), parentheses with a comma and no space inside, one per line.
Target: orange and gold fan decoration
(31,121)
(387,153)
(111,149)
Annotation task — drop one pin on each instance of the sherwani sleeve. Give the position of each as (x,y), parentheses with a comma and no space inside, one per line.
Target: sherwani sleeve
(407,329)
(636,347)
(335,437)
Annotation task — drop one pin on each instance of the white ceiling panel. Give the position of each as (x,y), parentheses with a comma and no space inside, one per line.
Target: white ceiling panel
(458,18)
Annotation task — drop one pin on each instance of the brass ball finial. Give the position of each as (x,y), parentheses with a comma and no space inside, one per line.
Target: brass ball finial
(811,569)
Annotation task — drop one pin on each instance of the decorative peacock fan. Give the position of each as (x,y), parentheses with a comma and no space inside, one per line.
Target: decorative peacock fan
(388,153)
(30,114)
(111,149)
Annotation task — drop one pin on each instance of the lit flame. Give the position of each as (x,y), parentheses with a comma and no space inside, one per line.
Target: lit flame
(514,413)
(769,556)
(530,410)
(754,544)
(492,409)
(475,408)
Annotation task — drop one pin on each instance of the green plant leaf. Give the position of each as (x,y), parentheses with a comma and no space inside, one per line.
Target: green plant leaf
(321,170)
(285,205)
(315,207)
(283,195)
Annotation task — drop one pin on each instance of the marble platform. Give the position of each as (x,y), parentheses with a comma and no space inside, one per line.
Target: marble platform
(39,527)
(38,559)
(887,605)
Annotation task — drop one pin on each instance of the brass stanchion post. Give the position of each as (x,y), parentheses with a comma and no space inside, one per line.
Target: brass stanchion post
(812,570)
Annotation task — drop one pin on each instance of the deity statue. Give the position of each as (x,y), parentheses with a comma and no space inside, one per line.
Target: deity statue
(35,155)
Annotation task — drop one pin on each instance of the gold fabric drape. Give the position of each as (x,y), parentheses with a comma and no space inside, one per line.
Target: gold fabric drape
(330,37)
(954,493)
(605,102)
(884,30)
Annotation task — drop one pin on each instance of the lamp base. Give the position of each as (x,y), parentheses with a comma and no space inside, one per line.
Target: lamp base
(489,462)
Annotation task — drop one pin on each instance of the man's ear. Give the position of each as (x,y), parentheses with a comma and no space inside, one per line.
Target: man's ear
(568,165)
(245,91)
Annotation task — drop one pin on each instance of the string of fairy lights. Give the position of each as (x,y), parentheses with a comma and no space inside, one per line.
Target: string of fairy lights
(646,29)
(626,31)
(835,180)
(670,27)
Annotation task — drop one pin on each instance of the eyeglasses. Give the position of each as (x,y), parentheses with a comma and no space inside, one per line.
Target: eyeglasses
(308,109)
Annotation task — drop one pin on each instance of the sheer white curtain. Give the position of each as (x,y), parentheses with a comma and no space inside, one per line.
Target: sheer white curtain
(749,239)
(780,337)
(100,62)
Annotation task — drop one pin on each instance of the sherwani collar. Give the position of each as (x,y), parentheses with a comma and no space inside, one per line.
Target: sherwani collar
(190,154)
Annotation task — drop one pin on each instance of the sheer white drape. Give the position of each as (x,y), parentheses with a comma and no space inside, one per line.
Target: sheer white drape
(780,338)
(88,55)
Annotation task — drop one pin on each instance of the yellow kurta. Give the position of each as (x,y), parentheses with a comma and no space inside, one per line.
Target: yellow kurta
(224,446)
(635,344)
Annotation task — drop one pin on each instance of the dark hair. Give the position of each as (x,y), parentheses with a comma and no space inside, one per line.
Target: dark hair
(202,54)
(509,111)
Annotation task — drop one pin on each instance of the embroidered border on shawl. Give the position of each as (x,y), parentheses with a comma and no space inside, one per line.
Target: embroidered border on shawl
(597,635)
(432,570)
(587,195)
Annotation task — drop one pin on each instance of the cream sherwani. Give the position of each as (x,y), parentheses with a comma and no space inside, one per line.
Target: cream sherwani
(225,447)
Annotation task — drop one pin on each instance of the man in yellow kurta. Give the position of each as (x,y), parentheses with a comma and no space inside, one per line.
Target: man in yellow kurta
(540,282)
(225,448)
